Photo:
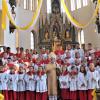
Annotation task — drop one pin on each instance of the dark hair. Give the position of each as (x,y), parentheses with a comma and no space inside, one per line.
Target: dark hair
(1,63)
(21,48)
(8,48)
(72,67)
(89,43)
(84,69)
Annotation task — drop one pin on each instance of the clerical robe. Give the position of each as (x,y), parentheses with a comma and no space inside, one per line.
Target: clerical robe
(52,79)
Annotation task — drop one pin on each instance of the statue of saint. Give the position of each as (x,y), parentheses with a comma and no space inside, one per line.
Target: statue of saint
(55,7)
(67,35)
(46,36)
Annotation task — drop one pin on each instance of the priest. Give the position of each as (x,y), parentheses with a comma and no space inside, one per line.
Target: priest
(52,77)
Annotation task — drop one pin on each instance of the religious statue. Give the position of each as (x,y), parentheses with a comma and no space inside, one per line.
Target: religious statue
(67,35)
(56,29)
(56,42)
(46,36)
(55,7)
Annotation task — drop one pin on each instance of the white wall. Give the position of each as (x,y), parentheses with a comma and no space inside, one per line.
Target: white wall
(7,39)
(0,4)
(83,15)
(23,18)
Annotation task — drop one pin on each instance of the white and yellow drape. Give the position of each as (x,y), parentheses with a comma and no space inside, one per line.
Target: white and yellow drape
(74,21)
(5,12)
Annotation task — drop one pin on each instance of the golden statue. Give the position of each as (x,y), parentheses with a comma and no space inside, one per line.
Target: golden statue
(46,36)
(55,44)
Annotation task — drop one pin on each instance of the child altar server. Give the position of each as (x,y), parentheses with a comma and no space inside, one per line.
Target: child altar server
(30,79)
(92,78)
(4,79)
(41,86)
(12,83)
(64,83)
(21,84)
(73,83)
(82,83)
(78,60)
(98,68)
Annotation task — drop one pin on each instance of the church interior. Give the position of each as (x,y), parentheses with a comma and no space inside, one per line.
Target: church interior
(59,37)
(50,22)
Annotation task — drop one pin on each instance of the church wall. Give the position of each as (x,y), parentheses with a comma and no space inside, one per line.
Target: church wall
(83,15)
(7,39)
(23,18)
(0,4)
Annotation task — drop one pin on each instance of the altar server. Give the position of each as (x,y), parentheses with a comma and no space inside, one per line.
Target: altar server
(80,50)
(70,49)
(64,84)
(82,83)
(93,77)
(73,83)
(41,86)
(30,79)
(21,84)
(4,80)
(12,83)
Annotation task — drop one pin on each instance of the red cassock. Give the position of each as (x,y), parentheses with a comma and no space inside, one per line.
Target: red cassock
(65,94)
(73,95)
(82,95)
(41,96)
(30,95)
(46,61)
(12,95)
(90,97)
(97,54)
(5,93)
(1,54)
(59,52)
(28,55)
(59,61)
(21,87)
(17,55)
(21,95)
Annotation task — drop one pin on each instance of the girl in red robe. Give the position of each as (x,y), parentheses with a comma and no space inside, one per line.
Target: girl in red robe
(30,84)
(41,86)
(82,83)
(73,83)
(21,84)
(12,84)
(64,84)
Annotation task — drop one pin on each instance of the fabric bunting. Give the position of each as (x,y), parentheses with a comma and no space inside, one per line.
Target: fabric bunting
(33,21)
(74,21)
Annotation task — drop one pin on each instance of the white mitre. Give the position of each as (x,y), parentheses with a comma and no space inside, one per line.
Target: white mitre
(52,55)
